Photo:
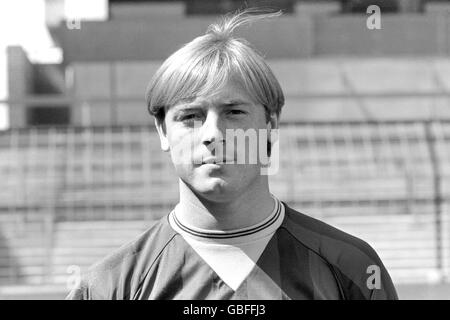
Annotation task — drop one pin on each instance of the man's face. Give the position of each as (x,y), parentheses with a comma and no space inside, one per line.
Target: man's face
(197,132)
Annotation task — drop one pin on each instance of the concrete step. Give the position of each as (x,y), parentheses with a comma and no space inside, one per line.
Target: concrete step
(111,226)
(15,261)
(408,263)
(23,251)
(23,271)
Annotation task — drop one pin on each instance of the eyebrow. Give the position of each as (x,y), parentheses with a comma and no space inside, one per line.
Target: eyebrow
(235,103)
(187,99)
(189,104)
(185,108)
(185,105)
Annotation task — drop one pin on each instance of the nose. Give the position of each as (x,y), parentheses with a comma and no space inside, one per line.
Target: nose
(212,130)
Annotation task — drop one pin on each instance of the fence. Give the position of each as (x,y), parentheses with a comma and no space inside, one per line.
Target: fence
(70,195)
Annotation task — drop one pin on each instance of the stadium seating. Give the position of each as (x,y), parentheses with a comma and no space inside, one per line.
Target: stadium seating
(86,191)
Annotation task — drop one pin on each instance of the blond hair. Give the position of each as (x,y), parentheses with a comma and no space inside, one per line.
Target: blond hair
(204,65)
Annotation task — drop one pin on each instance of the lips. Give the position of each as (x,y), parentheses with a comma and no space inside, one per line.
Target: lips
(213,160)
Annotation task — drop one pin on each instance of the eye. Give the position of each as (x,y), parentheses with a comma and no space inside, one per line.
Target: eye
(191,116)
(236,112)
(188,117)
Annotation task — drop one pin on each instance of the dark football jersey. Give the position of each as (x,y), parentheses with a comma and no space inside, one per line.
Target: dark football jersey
(304,259)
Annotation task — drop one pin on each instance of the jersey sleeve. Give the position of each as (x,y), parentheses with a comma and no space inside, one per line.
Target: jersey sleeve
(119,275)
(359,271)
(363,275)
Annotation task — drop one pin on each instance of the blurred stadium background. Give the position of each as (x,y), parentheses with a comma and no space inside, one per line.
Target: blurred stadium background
(365,132)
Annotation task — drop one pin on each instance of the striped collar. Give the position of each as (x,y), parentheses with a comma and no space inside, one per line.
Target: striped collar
(270,224)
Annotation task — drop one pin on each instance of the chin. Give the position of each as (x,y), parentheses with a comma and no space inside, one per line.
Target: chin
(212,185)
(215,189)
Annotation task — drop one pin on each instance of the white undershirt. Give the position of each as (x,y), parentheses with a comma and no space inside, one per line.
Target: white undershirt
(232,254)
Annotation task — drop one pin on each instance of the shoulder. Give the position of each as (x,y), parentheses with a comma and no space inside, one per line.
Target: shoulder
(325,239)
(353,260)
(120,273)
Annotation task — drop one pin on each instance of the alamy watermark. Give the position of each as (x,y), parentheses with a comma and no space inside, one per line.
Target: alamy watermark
(373,22)
(73,281)
(374,280)
(73,24)
(239,146)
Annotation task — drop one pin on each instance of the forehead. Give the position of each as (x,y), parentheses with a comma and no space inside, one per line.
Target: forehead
(232,91)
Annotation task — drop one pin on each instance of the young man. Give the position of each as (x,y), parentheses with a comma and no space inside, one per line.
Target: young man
(229,237)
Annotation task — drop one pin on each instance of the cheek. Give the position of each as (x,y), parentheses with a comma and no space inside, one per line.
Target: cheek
(256,148)
(181,147)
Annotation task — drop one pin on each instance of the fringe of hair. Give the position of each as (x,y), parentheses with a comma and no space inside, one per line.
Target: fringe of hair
(225,27)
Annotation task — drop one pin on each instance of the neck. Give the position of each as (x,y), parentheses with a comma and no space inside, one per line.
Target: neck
(244,210)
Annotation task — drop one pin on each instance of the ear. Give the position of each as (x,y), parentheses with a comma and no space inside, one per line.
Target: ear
(273,122)
(162,132)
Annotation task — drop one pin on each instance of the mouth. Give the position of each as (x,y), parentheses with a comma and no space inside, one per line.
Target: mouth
(212,160)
